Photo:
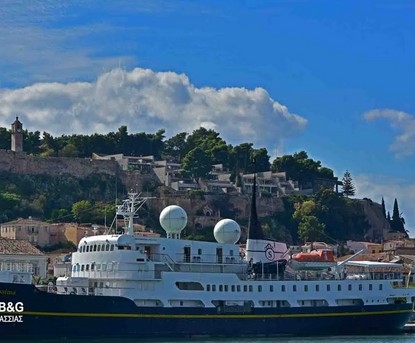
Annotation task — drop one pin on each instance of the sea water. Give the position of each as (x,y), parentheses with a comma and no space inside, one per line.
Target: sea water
(402,338)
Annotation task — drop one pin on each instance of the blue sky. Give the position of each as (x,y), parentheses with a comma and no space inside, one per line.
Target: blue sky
(334,78)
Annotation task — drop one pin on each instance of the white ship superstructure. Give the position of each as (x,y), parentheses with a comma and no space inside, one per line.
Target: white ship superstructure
(173,272)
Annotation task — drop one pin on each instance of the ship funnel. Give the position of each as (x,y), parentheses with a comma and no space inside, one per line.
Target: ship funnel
(258,247)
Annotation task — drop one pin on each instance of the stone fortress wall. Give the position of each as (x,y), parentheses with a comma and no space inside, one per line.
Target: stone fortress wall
(21,163)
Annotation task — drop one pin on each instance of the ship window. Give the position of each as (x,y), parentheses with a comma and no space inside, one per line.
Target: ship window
(231,253)
(317,288)
(250,288)
(214,288)
(98,266)
(99,247)
(112,247)
(107,247)
(245,288)
(82,268)
(92,266)
(360,287)
(104,266)
(220,288)
(238,288)
(349,287)
(271,288)
(208,288)
(259,288)
(305,288)
(87,248)
(95,247)
(339,287)
(199,251)
(189,286)
(87,267)
(283,288)
(328,288)
(294,288)
(370,287)
(233,288)
(380,287)
(226,288)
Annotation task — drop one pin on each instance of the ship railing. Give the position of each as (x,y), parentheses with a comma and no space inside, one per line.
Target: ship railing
(203,258)
(209,258)
(169,262)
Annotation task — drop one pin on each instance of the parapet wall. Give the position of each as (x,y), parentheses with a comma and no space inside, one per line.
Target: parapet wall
(21,163)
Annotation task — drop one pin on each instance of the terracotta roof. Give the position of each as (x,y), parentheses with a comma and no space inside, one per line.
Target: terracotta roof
(17,247)
(22,221)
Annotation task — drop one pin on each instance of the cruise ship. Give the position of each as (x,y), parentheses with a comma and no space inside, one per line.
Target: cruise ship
(125,285)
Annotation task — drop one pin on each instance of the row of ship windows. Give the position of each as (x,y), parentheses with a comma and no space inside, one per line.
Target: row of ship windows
(94,266)
(250,288)
(96,247)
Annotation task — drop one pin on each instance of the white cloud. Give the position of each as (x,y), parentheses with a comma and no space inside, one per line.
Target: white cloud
(145,100)
(375,186)
(404,144)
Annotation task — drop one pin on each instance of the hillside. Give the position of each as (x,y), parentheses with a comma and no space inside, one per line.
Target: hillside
(47,188)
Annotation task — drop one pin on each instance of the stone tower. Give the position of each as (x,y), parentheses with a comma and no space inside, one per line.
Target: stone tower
(17,135)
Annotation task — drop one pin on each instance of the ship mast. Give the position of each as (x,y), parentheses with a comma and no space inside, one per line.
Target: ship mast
(129,208)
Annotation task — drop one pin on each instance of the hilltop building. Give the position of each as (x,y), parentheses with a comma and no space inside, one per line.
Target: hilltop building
(271,183)
(128,163)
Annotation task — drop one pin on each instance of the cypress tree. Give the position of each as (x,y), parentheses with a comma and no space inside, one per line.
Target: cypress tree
(383,208)
(397,221)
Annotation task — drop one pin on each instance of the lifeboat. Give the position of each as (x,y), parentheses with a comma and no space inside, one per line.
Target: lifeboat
(321,255)
(315,260)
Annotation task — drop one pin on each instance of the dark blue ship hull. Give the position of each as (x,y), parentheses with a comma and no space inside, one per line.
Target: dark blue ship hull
(50,315)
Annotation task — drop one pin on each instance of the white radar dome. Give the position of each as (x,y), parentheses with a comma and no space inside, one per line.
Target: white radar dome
(227,231)
(173,219)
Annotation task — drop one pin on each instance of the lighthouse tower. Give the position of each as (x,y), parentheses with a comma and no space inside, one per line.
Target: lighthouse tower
(17,135)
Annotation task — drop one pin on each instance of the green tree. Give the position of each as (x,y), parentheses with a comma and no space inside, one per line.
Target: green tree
(310,229)
(9,200)
(301,168)
(69,150)
(210,142)
(5,139)
(304,209)
(241,158)
(348,186)
(61,215)
(261,158)
(50,145)
(31,142)
(81,211)
(197,163)
(176,146)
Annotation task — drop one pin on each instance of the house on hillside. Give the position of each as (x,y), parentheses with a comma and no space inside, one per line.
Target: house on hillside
(271,183)
(36,232)
(18,255)
(129,163)
(367,247)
